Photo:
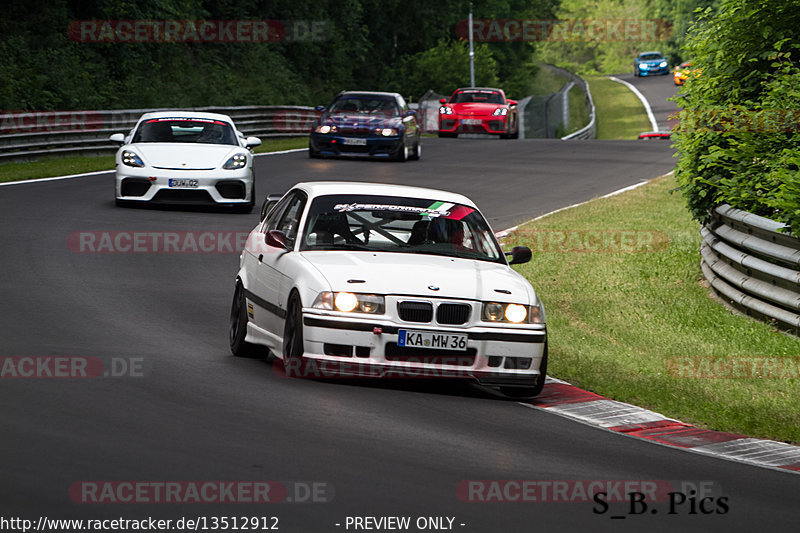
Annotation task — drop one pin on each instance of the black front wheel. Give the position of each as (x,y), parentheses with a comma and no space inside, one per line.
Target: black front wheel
(293,347)
(238,327)
(521,393)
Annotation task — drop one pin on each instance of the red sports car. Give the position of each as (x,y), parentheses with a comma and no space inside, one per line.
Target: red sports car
(478,110)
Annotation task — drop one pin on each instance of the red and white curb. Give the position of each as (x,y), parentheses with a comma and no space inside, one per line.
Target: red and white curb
(566,400)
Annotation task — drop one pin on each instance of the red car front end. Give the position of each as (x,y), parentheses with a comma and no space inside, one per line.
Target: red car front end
(478,110)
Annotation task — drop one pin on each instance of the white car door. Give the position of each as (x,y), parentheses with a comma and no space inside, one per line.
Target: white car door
(273,270)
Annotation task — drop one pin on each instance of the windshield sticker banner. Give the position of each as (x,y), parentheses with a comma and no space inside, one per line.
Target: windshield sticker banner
(440,210)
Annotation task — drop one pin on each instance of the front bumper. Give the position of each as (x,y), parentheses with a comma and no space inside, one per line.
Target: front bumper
(493,125)
(342,145)
(216,186)
(343,346)
(649,71)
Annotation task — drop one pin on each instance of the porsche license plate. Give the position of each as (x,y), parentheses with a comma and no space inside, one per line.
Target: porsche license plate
(354,142)
(471,121)
(432,339)
(182,182)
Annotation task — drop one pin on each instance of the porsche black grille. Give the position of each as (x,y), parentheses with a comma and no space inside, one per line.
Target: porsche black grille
(231,189)
(135,186)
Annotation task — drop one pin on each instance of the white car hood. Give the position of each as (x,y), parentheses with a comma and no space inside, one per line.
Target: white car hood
(185,156)
(415,274)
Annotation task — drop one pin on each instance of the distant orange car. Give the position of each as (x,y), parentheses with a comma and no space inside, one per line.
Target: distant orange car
(683,72)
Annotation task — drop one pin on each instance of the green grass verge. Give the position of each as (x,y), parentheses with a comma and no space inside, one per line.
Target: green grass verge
(619,320)
(620,115)
(578,111)
(49,166)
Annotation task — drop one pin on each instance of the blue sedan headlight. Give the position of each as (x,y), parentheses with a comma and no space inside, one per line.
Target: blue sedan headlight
(235,162)
(132,159)
(662,64)
(386,132)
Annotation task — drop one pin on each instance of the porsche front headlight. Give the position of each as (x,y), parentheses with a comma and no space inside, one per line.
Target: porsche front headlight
(131,159)
(500,112)
(235,162)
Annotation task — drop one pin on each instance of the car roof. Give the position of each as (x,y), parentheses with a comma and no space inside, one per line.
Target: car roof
(323,188)
(185,114)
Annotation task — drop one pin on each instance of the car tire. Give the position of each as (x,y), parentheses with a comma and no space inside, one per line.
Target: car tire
(293,348)
(417,153)
(402,153)
(521,393)
(313,154)
(238,327)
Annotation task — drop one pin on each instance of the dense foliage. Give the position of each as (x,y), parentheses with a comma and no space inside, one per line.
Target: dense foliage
(739,137)
(405,45)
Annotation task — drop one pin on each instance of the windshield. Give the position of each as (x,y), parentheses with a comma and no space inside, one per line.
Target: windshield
(367,105)
(650,57)
(185,130)
(397,224)
(480,97)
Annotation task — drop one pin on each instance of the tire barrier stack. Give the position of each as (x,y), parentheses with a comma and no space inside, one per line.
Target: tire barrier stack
(753,265)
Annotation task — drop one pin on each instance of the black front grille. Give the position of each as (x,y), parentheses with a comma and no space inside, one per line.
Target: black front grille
(453,313)
(429,356)
(421,312)
(135,186)
(496,125)
(231,189)
(183,196)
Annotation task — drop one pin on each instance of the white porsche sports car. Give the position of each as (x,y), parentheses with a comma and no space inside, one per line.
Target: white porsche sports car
(185,157)
(361,279)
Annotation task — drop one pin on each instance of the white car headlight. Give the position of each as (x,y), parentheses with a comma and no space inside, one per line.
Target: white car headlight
(512,313)
(348,302)
(131,159)
(386,132)
(500,111)
(662,64)
(324,128)
(235,162)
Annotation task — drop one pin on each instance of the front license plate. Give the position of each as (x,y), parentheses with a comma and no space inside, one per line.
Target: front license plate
(182,182)
(354,142)
(471,121)
(431,339)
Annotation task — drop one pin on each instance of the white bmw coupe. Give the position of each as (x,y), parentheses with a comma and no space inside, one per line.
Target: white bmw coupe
(373,280)
(185,157)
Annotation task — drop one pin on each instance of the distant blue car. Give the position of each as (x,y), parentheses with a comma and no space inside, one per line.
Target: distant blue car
(650,63)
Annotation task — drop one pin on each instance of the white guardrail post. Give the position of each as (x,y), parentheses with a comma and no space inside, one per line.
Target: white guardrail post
(753,266)
(30,134)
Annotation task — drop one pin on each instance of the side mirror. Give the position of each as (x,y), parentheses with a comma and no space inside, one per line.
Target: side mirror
(276,239)
(519,255)
(442,100)
(512,102)
(320,108)
(251,142)
(117,138)
(269,202)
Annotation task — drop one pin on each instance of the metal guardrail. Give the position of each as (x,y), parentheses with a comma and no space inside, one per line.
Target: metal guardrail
(25,135)
(590,130)
(753,266)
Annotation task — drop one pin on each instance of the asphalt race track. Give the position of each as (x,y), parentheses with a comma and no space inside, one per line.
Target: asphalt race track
(184,410)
